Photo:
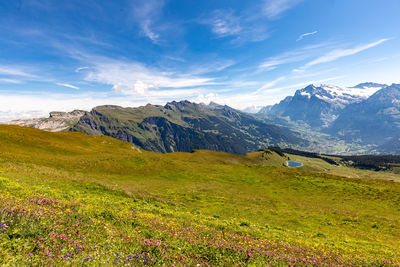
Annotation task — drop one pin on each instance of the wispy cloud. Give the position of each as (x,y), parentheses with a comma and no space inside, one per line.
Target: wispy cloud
(339,53)
(292,56)
(147,12)
(7,80)
(306,34)
(273,8)
(15,71)
(216,65)
(271,89)
(175,58)
(240,26)
(81,68)
(149,32)
(224,23)
(271,84)
(68,85)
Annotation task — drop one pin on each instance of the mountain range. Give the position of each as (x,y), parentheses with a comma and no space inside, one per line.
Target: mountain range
(375,120)
(325,119)
(319,106)
(177,126)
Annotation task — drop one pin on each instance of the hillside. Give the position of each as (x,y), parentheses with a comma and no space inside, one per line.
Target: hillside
(69,198)
(183,126)
(177,126)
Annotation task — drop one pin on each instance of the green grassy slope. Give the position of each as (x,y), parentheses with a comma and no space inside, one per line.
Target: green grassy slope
(73,198)
(183,126)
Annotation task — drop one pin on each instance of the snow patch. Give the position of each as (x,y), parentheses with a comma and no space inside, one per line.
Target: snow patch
(344,95)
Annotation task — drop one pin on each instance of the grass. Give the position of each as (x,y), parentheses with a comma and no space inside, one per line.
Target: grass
(68,198)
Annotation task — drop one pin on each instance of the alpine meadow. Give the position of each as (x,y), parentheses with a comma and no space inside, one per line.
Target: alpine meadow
(199,133)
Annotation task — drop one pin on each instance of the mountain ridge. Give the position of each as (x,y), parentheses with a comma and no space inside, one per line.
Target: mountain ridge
(183,126)
(375,120)
(176,126)
(326,119)
(319,106)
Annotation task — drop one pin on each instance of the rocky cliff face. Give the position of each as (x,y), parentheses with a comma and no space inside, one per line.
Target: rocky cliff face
(56,122)
(375,120)
(184,126)
(319,106)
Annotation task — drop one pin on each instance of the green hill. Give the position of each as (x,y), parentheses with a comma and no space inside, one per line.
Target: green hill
(177,126)
(183,126)
(69,198)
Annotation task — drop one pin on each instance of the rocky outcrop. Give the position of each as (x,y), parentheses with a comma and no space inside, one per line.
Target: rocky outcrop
(56,122)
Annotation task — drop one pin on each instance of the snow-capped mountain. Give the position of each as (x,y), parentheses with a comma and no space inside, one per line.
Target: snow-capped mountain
(342,95)
(375,120)
(319,106)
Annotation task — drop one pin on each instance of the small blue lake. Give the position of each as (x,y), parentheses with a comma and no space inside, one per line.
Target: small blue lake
(293,164)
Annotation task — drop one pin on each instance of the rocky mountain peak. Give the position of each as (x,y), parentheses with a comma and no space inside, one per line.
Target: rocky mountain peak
(178,104)
(66,115)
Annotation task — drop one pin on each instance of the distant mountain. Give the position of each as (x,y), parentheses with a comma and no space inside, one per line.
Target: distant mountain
(177,126)
(319,106)
(375,120)
(183,126)
(326,119)
(56,122)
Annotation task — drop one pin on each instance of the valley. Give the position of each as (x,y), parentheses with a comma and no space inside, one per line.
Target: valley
(69,198)
(358,120)
(199,133)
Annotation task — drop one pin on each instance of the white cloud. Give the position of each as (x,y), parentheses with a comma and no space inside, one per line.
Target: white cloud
(30,105)
(271,83)
(24,105)
(81,68)
(6,80)
(148,32)
(258,97)
(273,62)
(15,71)
(273,8)
(137,79)
(209,67)
(224,23)
(68,85)
(146,13)
(306,34)
(243,27)
(339,53)
(175,58)
(292,56)
(277,89)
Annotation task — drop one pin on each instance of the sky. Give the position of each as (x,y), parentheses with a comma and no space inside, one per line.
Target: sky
(59,55)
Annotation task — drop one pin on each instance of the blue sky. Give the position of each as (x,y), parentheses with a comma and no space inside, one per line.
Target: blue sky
(62,55)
